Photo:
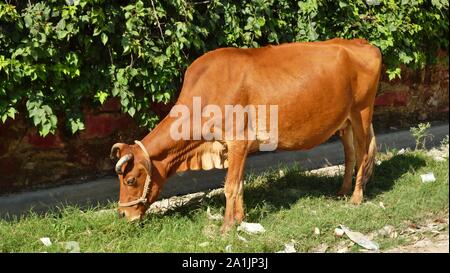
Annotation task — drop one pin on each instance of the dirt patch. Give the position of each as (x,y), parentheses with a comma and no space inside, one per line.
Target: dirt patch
(438,244)
(430,236)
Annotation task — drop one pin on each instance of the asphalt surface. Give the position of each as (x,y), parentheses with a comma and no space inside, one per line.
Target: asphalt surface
(105,190)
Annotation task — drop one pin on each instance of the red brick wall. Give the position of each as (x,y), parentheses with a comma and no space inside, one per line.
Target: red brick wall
(28,160)
(417,96)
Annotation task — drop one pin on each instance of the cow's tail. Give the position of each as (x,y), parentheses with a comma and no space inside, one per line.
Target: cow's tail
(369,164)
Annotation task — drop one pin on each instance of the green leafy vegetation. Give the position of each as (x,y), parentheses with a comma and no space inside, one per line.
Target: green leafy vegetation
(420,134)
(56,56)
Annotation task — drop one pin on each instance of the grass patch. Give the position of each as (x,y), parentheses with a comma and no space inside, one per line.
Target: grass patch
(288,206)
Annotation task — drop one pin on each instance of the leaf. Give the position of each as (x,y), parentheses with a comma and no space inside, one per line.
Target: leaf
(125,101)
(61,24)
(61,34)
(28,21)
(393,73)
(131,111)
(53,120)
(404,58)
(115,91)
(101,96)
(45,129)
(342,4)
(126,49)
(11,112)
(104,38)
(97,31)
(76,125)
(261,21)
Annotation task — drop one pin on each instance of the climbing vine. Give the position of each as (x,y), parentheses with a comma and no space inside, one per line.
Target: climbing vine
(56,55)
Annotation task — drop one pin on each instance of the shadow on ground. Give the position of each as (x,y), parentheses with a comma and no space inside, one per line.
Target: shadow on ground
(273,192)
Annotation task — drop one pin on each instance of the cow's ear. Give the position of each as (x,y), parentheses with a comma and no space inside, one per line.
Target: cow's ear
(116,150)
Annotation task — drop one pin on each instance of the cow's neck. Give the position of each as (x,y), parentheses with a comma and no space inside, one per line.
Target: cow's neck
(171,156)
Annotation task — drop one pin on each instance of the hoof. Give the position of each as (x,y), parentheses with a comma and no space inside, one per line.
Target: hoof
(239,218)
(343,192)
(356,200)
(225,228)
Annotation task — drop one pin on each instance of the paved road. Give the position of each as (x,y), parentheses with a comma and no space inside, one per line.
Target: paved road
(106,189)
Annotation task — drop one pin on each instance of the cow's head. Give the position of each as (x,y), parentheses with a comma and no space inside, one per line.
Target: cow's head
(139,185)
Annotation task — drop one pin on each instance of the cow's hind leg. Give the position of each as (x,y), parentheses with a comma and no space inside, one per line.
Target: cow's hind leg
(346,135)
(234,210)
(362,129)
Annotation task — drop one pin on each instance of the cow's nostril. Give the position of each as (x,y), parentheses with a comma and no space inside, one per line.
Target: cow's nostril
(121,214)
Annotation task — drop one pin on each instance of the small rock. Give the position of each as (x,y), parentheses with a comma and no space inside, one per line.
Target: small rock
(435,232)
(228,249)
(46,241)
(215,217)
(402,151)
(72,247)
(427,178)
(423,243)
(338,232)
(382,205)
(288,248)
(242,238)
(342,250)
(439,159)
(386,231)
(251,228)
(322,248)
(341,247)
(316,231)
(372,235)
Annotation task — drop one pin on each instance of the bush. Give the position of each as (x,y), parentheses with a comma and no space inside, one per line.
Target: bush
(56,55)
(420,134)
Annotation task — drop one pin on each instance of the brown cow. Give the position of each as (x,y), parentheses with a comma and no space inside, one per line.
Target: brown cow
(320,88)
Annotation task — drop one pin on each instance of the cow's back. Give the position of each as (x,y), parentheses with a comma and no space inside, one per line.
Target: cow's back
(314,84)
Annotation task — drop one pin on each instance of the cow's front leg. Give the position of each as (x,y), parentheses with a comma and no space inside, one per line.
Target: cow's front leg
(234,210)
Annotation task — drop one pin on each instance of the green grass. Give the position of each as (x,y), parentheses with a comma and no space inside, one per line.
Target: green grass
(289,207)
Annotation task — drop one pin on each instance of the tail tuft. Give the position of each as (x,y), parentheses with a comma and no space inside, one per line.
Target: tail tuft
(369,164)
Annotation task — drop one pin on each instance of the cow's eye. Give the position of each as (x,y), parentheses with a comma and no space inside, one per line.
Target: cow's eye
(131,181)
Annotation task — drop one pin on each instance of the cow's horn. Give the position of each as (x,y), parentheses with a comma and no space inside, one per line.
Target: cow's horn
(116,147)
(121,161)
